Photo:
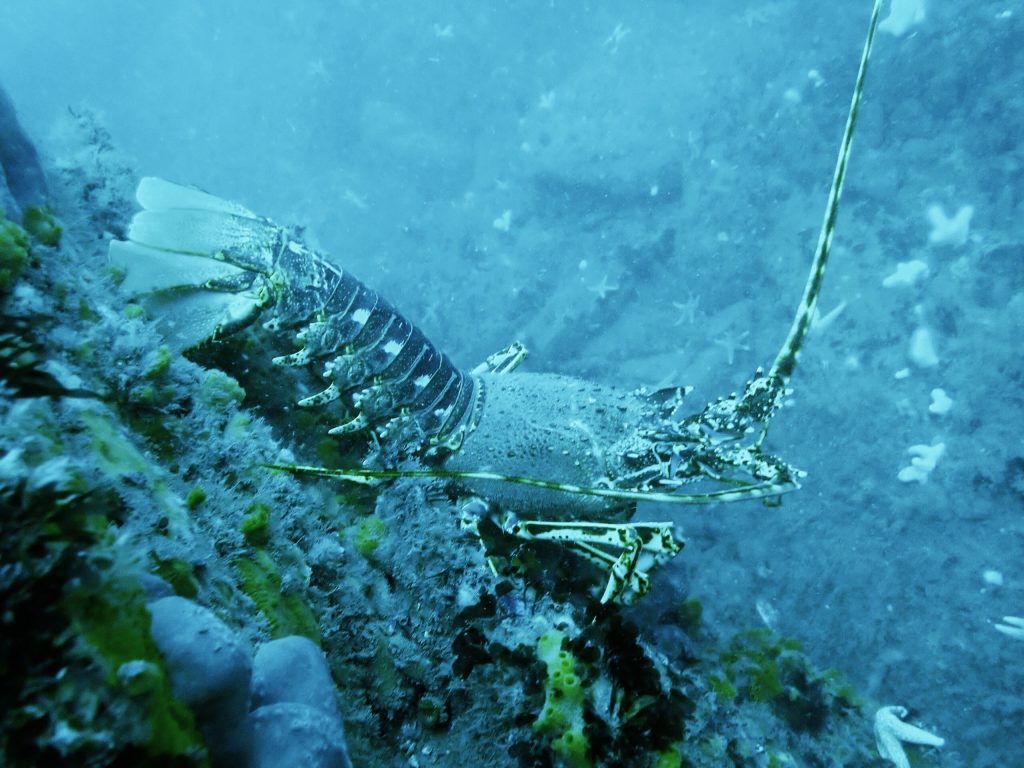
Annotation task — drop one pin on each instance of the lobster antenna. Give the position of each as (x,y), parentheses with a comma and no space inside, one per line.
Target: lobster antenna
(785,361)
(743,492)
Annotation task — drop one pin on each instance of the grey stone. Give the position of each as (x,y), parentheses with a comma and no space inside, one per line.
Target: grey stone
(22,182)
(293,669)
(209,666)
(291,735)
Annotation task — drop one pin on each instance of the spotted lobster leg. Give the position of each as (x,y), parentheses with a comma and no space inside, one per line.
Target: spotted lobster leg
(643,546)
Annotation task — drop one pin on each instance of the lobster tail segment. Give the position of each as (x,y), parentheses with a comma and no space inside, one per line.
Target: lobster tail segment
(199,264)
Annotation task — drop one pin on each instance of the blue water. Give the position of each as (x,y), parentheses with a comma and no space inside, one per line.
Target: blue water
(634,191)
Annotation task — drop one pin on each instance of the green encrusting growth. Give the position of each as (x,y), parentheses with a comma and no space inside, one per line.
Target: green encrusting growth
(42,225)
(195,497)
(562,714)
(14,252)
(256,525)
(762,667)
(84,683)
(368,534)
(287,614)
(179,575)
(114,621)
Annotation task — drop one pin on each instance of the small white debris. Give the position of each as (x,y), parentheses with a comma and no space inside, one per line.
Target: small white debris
(992,577)
(547,100)
(503,222)
(815,77)
(891,732)
(583,264)
(902,373)
(949,230)
(1007,14)
(1012,626)
(769,615)
(616,37)
(445,32)
(925,457)
(654,190)
(903,14)
(907,273)
(941,402)
(792,95)
(353,198)
(922,349)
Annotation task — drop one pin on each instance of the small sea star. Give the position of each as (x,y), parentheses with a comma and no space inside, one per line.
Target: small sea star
(317,69)
(616,37)
(687,310)
(732,343)
(891,732)
(603,288)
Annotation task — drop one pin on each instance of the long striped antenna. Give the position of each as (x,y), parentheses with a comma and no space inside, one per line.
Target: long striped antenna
(785,361)
(742,492)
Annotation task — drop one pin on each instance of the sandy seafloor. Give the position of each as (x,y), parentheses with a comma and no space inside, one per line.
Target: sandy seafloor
(634,191)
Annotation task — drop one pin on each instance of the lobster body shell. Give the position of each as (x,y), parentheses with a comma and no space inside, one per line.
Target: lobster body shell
(543,425)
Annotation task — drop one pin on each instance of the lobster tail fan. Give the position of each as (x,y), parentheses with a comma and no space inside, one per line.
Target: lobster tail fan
(194,261)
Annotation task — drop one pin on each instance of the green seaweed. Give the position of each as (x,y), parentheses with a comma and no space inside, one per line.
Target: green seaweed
(158,362)
(14,253)
(368,534)
(113,620)
(765,668)
(287,614)
(114,453)
(219,391)
(179,574)
(42,225)
(195,497)
(562,714)
(256,524)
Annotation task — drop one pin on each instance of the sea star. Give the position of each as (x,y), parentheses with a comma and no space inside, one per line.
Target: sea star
(603,288)
(891,732)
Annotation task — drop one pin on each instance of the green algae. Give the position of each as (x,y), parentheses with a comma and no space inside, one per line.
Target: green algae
(256,524)
(114,452)
(219,391)
(195,497)
(368,534)
(14,253)
(42,226)
(287,614)
(114,622)
(561,717)
(179,574)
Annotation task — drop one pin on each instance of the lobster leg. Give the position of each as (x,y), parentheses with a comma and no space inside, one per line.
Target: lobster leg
(626,550)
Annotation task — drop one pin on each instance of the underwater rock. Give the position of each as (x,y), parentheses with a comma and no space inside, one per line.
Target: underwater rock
(293,669)
(291,735)
(210,669)
(22,182)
